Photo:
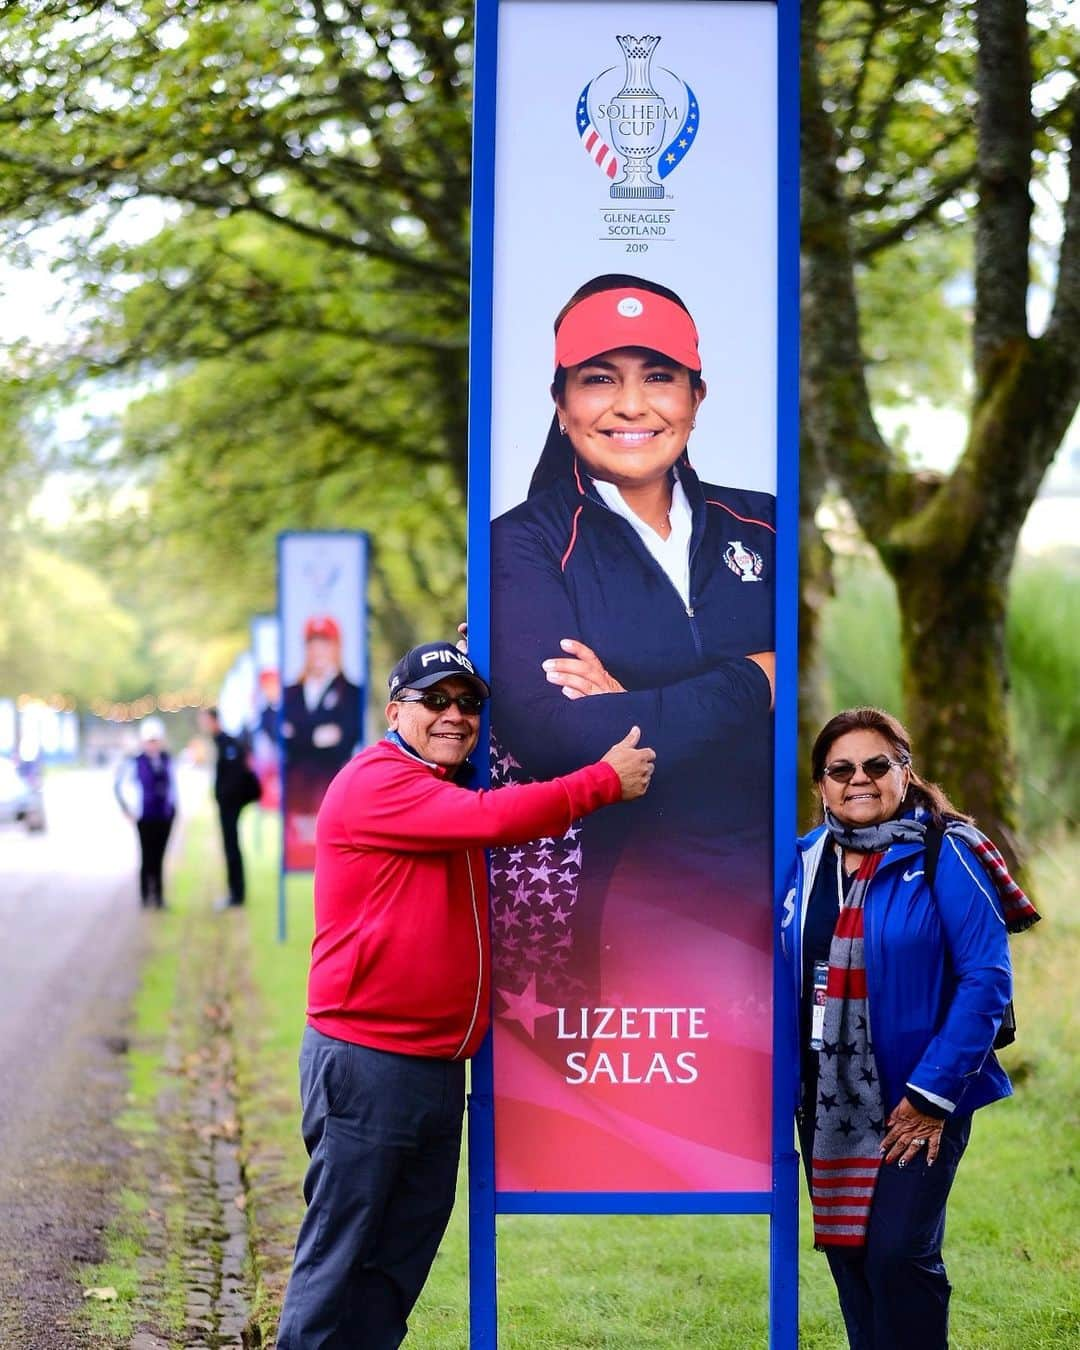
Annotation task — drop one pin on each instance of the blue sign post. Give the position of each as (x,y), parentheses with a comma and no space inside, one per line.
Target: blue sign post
(323,669)
(645,150)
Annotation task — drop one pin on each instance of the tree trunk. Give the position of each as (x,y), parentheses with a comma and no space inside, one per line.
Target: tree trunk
(955,681)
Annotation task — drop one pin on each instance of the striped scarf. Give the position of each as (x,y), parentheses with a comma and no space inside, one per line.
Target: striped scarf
(850,1118)
(1019,912)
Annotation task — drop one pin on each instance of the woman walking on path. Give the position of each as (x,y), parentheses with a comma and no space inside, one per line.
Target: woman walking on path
(145,787)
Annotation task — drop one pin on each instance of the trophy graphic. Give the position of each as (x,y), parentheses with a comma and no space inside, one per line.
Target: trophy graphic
(637,120)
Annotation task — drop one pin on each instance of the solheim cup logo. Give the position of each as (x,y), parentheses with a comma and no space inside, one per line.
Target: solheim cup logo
(637,134)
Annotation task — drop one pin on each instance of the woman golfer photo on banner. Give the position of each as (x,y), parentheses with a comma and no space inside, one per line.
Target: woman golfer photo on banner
(625,590)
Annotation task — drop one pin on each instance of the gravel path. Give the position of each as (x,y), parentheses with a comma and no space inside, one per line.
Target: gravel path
(70,941)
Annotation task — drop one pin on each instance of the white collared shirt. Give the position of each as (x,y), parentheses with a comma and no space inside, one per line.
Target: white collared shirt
(315,688)
(672,553)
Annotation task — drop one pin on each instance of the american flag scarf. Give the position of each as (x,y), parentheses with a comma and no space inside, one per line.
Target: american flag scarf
(850,1121)
(1019,912)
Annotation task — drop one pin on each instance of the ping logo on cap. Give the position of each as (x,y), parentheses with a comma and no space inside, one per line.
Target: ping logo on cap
(630,307)
(445,655)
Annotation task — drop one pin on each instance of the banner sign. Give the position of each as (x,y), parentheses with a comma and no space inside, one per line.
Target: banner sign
(322,618)
(236,698)
(265,753)
(633,466)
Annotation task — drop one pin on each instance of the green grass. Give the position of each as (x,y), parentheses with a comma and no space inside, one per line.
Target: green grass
(572,1283)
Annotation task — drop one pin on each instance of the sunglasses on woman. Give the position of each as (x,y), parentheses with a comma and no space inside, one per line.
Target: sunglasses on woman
(434,700)
(843,771)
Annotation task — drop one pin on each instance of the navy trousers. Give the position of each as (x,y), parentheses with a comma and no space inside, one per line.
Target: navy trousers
(894,1293)
(383,1132)
(229,814)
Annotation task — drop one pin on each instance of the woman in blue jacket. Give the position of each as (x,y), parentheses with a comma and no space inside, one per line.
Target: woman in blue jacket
(625,592)
(902,987)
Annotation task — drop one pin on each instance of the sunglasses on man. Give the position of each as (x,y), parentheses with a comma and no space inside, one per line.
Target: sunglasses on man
(843,770)
(436,701)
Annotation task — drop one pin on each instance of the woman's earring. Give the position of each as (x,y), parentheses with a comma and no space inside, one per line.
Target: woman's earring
(693,424)
(562,428)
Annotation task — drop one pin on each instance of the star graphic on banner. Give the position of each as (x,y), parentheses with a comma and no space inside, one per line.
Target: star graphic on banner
(573,858)
(540,873)
(828,1048)
(512,873)
(508,919)
(690,130)
(572,832)
(559,915)
(868,1076)
(521,893)
(853,1099)
(547,897)
(565,941)
(566,878)
(878,1125)
(670,159)
(845,1126)
(828,1101)
(516,854)
(683,145)
(847,1047)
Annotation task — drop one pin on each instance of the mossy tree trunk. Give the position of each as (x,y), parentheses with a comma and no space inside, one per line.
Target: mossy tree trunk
(948,540)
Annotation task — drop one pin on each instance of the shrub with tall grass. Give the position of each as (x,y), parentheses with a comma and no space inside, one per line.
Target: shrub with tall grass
(861,645)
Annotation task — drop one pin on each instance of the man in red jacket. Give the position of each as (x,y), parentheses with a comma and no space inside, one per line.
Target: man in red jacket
(399,993)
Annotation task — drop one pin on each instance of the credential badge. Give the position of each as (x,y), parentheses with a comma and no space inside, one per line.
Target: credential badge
(743,561)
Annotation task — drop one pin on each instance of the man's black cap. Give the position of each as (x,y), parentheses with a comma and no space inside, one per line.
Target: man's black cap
(431,662)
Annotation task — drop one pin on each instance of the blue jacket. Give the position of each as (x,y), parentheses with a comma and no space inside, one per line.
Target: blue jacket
(565,566)
(937,971)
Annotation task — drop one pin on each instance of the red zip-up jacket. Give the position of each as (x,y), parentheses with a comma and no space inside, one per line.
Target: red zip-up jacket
(401,956)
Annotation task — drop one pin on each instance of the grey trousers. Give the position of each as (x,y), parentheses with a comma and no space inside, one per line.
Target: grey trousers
(383,1133)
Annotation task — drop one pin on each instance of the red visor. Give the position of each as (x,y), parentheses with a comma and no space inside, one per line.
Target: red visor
(322,627)
(627,318)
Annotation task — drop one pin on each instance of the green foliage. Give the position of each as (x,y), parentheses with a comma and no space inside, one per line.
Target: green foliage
(1044,661)
(860,637)
(61,631)
(295,329)
(861,645)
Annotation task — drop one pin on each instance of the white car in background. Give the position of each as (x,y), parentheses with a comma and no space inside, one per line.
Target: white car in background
(20,797)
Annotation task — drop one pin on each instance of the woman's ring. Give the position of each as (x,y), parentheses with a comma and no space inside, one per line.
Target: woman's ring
(919,1143)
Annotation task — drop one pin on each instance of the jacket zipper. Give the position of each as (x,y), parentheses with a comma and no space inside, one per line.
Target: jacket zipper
(480,959)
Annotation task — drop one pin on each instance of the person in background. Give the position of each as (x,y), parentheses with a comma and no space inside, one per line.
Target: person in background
(231,777)
(902,987)
(145,787)
(399,992)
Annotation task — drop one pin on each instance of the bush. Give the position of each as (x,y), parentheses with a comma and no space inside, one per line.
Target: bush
(861,647)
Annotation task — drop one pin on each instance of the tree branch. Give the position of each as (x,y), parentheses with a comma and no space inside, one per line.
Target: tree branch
(836,399)
(873,241)
(1006,131)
